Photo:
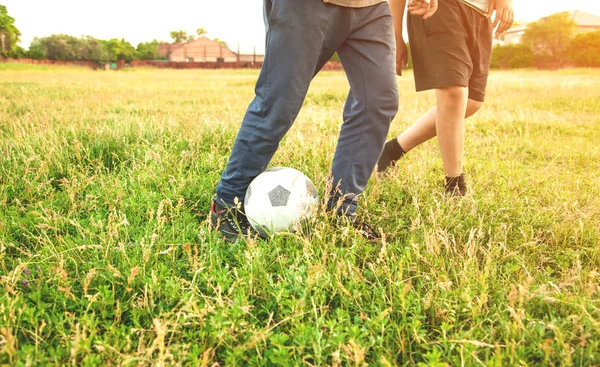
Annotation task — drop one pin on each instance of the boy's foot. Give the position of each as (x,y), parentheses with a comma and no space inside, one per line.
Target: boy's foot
(231,222)
(456,186)
(392,151)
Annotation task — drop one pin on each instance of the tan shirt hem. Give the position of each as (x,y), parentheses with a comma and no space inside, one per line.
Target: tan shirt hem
(353,3)
(478,9)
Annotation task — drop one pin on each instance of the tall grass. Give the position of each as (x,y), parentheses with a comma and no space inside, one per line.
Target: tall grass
(106,258)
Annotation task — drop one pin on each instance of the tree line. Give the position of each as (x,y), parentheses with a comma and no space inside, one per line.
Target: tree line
(65,47)
(68,48)
(550,42)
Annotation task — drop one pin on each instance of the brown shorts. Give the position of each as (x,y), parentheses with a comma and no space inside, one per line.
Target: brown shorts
(453,47)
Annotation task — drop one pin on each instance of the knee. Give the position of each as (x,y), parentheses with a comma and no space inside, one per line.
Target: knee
(387,102)
(451,96)
(472,107)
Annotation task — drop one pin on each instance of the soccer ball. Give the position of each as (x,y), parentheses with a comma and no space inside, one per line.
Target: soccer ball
(279,198)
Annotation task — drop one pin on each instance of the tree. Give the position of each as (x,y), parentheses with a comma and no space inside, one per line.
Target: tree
(18,52)
(68,48)
(9,34)
(37,50)
(179,36)
(549,37)
(201,32)
(148,51)
(119,50)
(93,50)
(512,56)
(60,47)
(584,49)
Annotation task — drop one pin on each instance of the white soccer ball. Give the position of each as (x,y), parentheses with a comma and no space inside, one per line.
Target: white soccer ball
(278,199)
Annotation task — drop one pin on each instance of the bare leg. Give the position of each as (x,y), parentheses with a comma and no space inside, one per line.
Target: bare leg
(424,128)
(421,131)
(450,127)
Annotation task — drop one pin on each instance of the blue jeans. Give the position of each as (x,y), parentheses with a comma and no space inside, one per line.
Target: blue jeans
(302,35)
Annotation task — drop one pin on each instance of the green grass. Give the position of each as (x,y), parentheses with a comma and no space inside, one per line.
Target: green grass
(106,258)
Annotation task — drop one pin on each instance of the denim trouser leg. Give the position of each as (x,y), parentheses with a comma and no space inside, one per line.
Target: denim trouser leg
(369,59)
(301,37)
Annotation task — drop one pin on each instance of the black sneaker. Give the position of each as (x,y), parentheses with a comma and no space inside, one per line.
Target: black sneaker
(231,222)
(360,227)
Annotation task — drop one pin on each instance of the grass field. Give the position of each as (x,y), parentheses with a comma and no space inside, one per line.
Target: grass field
(106,259)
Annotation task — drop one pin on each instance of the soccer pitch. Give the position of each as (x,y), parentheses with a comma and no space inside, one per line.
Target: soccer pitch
(106,258)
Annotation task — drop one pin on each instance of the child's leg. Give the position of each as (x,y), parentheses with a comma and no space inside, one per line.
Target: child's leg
(452,48)
(420,132)
(424,128)
(450,127)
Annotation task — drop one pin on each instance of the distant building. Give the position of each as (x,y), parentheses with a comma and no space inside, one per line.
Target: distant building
(200,50)
(584,22)
(203,49)
(514,34)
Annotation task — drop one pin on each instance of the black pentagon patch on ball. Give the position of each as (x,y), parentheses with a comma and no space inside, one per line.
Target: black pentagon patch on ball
(279,196)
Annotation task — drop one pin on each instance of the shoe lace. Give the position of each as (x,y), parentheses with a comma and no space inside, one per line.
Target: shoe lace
(244,222)
(238,221)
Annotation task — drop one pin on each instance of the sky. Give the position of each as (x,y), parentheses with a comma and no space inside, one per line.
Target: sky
(234,21)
